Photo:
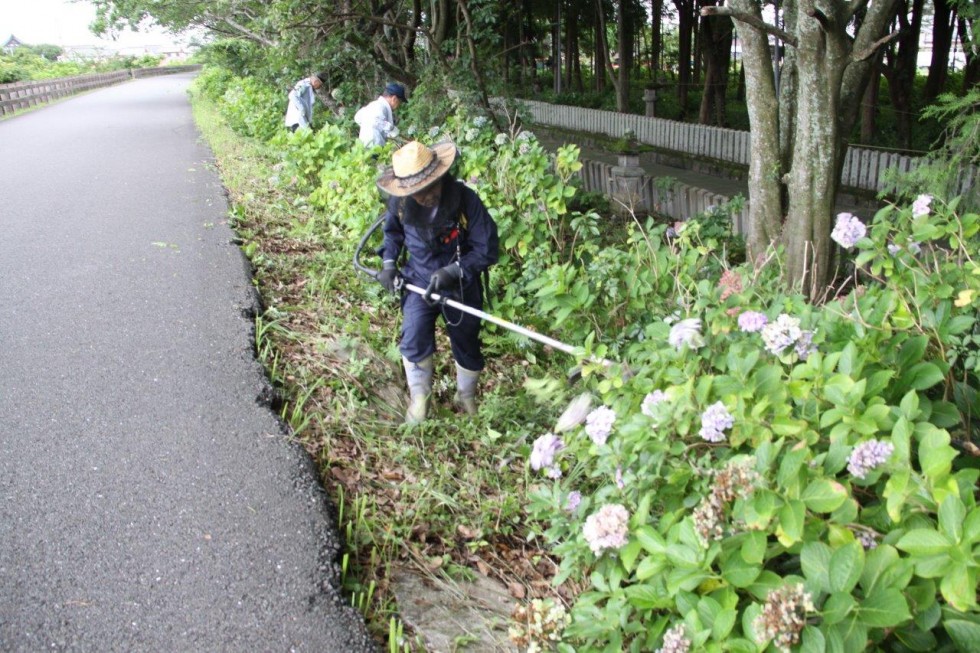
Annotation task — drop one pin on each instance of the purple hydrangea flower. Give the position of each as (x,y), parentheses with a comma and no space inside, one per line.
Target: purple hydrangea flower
(752,321)
(805,346)
(544,451)
(686,332)
(920,206)
(867,456)
(894,249)
(782,333)
(651,400)
(867,540)
(553,472)
(714,421)
(848,230)
(574,498)
(598,425)
(607,529)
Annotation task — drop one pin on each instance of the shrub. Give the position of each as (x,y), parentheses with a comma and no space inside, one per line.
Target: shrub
(795,484)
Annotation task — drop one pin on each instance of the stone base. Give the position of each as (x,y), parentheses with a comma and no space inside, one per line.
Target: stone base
(455,616)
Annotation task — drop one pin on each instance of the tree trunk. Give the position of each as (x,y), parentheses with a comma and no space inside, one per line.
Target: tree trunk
(812,179)
(826,75)
(943,21)
(600,50)
(625,38)
(901,66)
(556,49)
(716,43)
(765,207)
(869,105)
(656,38)
(687,22)
(968,36)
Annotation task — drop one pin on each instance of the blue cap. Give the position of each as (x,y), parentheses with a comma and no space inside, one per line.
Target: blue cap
(397,90)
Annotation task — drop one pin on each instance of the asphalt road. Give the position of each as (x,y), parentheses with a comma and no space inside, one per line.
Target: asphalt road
(148,501)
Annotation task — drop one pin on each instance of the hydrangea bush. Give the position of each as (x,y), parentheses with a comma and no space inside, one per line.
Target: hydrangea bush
(774,474)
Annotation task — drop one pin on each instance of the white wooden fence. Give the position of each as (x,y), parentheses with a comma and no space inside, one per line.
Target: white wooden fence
(863,168)
(22,95)
(676,200)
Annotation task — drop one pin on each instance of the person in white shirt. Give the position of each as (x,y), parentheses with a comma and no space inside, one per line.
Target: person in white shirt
(376,119)
(299,111)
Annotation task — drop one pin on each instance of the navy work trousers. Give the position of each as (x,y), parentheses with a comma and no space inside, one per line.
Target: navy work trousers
(418,338)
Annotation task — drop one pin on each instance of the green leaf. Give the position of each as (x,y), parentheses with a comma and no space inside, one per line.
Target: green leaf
(846,565)
(650,566)
(922,376)
(791,519)
(924,542)
(935,455)
(910,405)
(753,548)
(916,640)
(837,607)
(813,640)
(912,351)
(645,597)
(651,541)
(896,493)
(878,565)
(971,526)
(723,624)
(952,514)
(885,609)
(815,561)
(682,556)
(740,573)
(824,495)
(965,634)
(628,554)
(959,587)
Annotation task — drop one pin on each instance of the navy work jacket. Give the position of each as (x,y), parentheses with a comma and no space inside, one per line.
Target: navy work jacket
(431,242)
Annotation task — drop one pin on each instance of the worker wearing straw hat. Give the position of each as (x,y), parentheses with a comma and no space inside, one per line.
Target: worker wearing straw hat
(450,239)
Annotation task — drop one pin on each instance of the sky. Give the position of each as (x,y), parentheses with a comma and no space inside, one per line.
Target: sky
(64,22)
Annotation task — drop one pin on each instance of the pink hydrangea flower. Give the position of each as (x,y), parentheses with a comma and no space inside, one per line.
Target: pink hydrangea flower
(921,206)
(607,529)
(752,321)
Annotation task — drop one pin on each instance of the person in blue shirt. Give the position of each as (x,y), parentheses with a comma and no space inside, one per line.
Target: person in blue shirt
(450,239)
(299,111)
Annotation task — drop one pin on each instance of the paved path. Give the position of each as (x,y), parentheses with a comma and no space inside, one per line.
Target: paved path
(147,501)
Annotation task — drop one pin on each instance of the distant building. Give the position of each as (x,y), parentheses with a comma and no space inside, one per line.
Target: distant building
(11,44)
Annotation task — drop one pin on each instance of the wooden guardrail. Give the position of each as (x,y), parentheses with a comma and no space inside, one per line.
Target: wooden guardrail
(863,168)
(23,95)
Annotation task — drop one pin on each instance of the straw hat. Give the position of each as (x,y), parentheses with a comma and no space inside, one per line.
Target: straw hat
(415,167)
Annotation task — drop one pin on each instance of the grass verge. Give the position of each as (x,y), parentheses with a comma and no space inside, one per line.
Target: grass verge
(444,498)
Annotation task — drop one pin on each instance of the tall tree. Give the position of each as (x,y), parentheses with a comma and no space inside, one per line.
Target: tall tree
(656,37)
(901,58)
(829,69)
(716,45)
(969,14)
(687,21)
(943,23)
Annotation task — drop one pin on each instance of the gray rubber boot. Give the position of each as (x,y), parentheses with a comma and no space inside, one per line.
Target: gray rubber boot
(419,377)
(466,381)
